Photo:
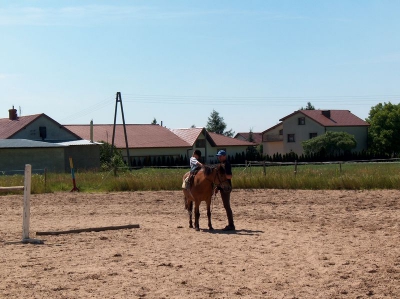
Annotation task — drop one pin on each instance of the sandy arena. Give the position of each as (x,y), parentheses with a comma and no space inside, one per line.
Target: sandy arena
(288,244)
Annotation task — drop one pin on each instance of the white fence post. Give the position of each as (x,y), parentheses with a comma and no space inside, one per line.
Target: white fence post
(27,202)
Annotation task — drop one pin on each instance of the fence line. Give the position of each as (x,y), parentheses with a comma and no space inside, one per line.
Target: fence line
(17,171)
(249,164)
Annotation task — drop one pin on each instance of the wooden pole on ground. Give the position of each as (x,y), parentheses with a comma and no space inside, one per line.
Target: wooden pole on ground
(92,229)
(12,188)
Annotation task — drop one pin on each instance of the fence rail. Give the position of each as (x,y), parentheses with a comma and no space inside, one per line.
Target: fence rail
(249,164)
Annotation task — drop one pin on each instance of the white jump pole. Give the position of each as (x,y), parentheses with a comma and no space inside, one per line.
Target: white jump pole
(27,202)
(27,206)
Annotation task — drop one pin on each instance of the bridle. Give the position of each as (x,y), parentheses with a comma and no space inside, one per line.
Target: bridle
(217,174)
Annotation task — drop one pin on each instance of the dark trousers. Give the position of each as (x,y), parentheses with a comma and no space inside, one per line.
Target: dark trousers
(226,199)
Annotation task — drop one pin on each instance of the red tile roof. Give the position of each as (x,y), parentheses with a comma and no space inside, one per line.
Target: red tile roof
(139,136)
(338,118)
(222,140)
(190,135)
(10,127)
(257,137)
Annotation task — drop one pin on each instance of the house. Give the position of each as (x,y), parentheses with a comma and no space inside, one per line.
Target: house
(47,143)
(38,127)
(287,136)
(145,141)
(210,143)
(44,143)
(255,136)
(149,142)
(54,157)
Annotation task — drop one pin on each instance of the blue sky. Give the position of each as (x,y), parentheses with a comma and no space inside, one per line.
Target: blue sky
(254,62)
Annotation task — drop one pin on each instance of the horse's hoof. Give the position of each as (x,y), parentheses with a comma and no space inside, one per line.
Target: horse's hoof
(190,226)
(197,229)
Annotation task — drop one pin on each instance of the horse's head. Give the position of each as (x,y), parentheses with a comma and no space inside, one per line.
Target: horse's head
(221,179)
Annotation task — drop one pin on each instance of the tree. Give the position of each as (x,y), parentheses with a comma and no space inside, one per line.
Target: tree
(384,130)
(217,125)
(251,152)
(108,160)
(154,122)
(308,107)
(251,137)
(330,143)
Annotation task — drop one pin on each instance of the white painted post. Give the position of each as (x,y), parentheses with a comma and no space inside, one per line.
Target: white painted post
(27,202)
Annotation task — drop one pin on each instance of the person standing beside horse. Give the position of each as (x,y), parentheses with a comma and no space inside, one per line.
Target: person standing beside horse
(226,194)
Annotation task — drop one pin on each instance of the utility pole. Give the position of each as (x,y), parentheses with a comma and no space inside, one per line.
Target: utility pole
(118,99)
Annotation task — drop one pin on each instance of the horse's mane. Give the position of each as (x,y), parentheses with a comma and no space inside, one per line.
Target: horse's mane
(208,169)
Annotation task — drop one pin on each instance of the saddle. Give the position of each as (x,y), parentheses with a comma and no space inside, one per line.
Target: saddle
(188,182)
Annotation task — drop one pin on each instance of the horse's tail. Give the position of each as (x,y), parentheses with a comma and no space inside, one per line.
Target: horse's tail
(186,202)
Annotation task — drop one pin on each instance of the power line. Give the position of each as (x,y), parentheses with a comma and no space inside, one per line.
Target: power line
(347,100)
(234,100)
(258,97)
(90,109)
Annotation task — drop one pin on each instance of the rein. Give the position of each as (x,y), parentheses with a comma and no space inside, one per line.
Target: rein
(215,177)
(214,195)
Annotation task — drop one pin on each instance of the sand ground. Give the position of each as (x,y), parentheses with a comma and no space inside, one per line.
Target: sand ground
(288,244)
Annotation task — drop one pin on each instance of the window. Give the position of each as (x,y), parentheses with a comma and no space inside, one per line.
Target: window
(301,120)
(290,138)
(42,133)
(312,135)
(281,132)
(201,143)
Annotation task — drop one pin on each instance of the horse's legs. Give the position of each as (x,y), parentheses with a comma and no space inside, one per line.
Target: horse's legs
(190,211)
(209,215)
(197,215)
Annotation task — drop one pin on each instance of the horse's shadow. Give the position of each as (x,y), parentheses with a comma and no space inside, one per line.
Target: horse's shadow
(240,232)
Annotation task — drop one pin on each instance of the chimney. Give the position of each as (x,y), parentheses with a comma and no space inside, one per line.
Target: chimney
(326,113)
(91,131)
(12,114)
(161,123)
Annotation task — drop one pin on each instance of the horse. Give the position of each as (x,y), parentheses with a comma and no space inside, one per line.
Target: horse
(202,189)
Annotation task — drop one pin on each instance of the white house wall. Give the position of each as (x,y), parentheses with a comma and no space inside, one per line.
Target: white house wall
(272,147)
(302,133)
(208,152)
(155,152)
(230,151)
(290,126)
(54,132)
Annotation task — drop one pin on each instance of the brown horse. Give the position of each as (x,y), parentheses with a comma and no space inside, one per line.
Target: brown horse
(202,189)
